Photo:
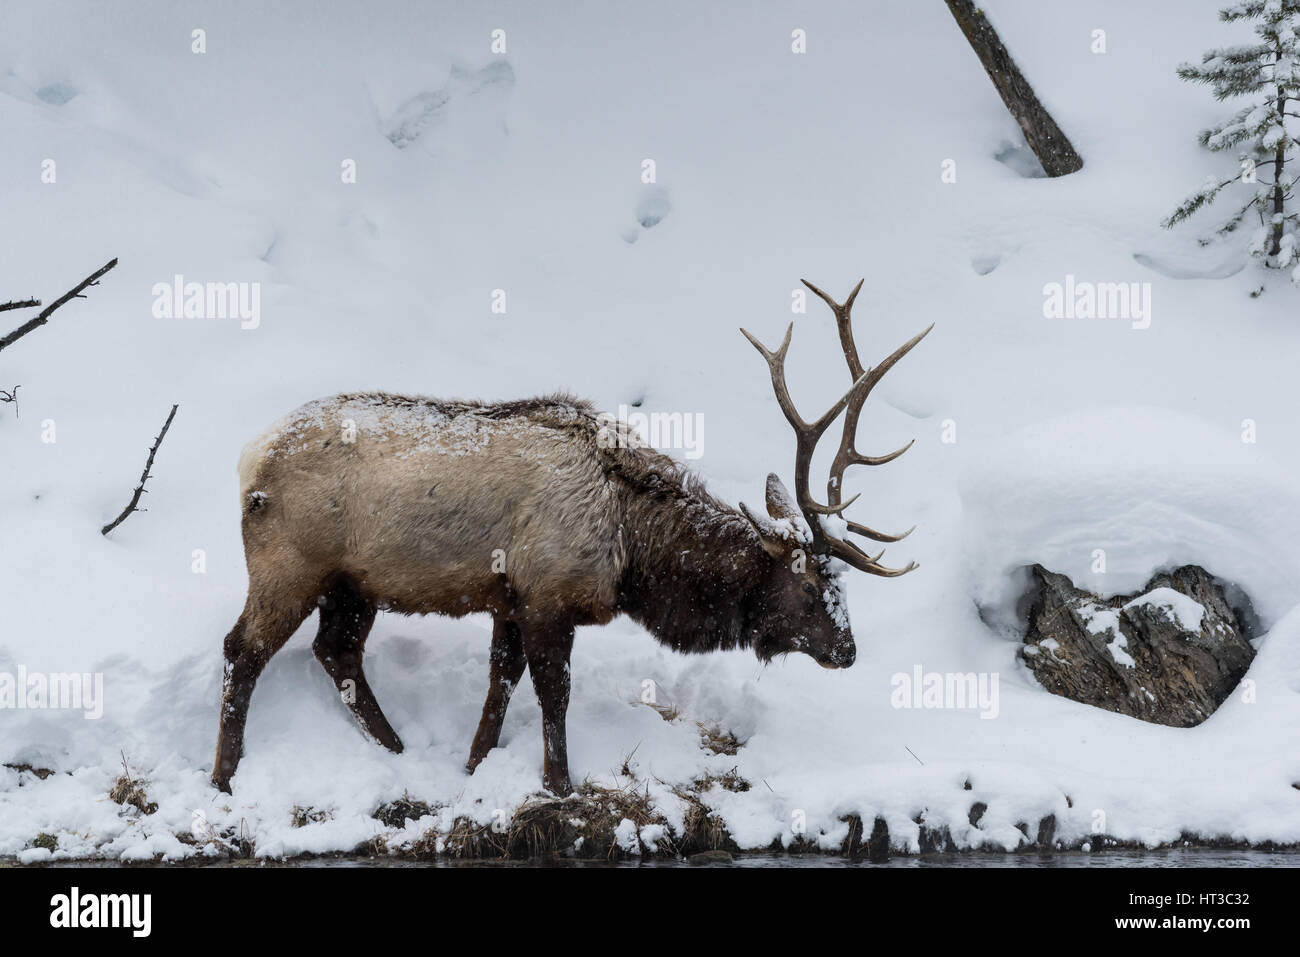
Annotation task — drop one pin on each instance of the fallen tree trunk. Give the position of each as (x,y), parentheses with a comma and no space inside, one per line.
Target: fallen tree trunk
(1052,147)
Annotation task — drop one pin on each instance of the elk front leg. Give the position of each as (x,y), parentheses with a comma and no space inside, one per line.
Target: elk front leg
(504,671)
(345,620)
(548,664)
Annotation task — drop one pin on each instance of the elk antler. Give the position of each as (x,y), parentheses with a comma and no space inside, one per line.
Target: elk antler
(808,433)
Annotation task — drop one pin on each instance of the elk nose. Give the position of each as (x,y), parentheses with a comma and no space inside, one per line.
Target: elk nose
(840,658)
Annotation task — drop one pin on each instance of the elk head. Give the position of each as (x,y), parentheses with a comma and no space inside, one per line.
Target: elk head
(805,605)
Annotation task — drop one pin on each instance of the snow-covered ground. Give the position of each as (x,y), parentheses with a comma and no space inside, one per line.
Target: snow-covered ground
(522,172)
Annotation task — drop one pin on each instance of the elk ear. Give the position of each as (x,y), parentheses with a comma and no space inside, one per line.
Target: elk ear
(773,542)
(780,503)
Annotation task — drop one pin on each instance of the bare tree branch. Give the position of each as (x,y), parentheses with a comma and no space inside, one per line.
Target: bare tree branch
(44,317)
(144,477)
(19,304)
(11,396)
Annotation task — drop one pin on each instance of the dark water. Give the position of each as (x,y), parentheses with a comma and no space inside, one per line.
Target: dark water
(1182,857)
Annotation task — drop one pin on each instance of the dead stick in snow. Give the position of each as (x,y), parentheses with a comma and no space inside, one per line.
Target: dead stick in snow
(144,477)
(11,396)
(19,304)
(44,317)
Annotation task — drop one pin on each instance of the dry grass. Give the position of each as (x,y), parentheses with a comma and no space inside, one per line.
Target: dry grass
(581,825)
(713,737)
(128,791)
(41,773)
(585,825)
(704,829)
(235,843)
(727,780)
(668,712)
(397,813)
(718,739)
(302,816)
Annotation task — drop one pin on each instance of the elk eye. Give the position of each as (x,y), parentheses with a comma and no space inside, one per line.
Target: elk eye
(808,589)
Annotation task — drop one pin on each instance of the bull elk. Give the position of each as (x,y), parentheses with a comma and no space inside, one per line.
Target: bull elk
(540,514)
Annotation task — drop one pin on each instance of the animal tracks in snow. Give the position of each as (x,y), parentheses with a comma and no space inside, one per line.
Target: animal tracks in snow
(652,206)
(1172,269)
(472,100)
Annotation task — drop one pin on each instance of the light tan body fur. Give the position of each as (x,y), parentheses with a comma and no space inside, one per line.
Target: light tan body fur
(422,504)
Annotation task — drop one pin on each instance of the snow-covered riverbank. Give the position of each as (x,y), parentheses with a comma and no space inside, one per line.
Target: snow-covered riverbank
(1038,439)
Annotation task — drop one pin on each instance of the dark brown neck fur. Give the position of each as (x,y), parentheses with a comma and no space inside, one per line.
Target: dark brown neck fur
(695,565)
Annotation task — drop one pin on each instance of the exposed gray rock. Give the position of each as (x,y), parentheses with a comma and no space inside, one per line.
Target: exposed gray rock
(1169,654)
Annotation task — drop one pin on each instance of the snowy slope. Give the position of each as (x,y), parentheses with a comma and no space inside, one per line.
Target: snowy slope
(521,172)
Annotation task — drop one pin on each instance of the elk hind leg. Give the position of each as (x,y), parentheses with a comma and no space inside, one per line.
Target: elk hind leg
(263,628)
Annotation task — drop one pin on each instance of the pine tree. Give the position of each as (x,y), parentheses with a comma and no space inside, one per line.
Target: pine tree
(1268,72)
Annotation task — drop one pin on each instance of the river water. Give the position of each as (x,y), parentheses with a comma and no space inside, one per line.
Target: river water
(1181,857)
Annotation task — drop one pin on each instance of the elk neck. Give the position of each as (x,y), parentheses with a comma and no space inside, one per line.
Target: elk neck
(694,570)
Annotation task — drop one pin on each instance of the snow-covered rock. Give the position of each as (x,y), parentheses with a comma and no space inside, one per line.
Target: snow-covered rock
(1170,655)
